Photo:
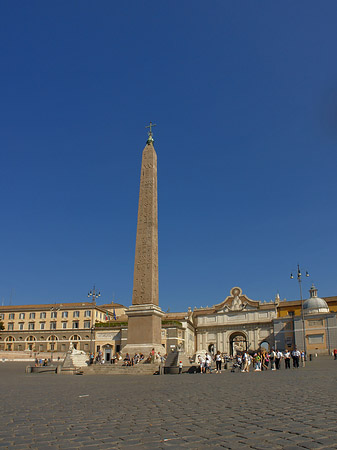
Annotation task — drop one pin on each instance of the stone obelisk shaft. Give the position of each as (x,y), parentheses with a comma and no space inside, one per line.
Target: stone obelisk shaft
(144,315)
(145,281)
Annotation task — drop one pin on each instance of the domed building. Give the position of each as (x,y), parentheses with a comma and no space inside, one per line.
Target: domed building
(314,318)
(314,304)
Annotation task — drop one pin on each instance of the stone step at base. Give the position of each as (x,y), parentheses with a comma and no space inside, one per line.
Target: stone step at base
(112,369)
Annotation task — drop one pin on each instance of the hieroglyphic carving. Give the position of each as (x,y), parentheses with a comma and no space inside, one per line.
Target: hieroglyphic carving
(145,281)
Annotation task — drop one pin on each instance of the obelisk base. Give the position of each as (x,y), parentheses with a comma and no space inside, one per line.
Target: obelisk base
(144,330)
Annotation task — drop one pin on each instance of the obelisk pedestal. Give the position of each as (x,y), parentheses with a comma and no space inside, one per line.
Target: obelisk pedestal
(144,316)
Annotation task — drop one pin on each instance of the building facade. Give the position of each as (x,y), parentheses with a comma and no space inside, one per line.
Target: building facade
(50,328)
(236,324)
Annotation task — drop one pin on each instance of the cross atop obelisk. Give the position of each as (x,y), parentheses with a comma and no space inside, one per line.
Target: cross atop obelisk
(150,134)
(144,316)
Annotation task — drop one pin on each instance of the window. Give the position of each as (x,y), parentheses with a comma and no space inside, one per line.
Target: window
(76,324)
(64,324)
(42,325)
(10,326)
(11,316)
(64,314)
(315,323)
(21,326)
(87,324)
(32,315)
(54,314)
(21,316)
(76,314)
(2,316)
(42,315)
(31,326)
(316,339)
(53,325)
(75,338)
(289,341)
(87,314)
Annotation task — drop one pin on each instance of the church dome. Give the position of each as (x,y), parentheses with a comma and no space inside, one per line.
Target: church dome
(315,305)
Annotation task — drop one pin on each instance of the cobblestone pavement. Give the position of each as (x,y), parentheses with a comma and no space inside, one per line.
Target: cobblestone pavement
(290,410)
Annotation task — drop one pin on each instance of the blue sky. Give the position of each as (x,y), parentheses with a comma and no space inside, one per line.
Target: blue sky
(245,98)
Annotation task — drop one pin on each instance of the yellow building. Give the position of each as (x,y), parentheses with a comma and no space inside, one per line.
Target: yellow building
(51,327)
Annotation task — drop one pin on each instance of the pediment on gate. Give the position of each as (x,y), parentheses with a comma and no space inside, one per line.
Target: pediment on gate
(236,301)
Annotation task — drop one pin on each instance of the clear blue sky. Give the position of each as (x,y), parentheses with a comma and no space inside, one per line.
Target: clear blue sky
(245,98)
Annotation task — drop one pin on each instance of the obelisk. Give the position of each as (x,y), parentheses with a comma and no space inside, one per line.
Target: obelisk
(144,316)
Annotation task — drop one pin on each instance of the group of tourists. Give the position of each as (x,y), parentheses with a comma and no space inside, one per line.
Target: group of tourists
(272,360)
(256,361)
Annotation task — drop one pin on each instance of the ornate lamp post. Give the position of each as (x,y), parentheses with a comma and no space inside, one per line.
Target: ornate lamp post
(94,295)
(299,279)
(54,309)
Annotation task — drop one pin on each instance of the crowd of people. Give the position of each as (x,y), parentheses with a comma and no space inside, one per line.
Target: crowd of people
(127,359)
(256,361)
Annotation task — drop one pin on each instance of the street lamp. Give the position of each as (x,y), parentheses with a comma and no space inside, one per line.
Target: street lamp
(94,295)
(299,279)
(53,328)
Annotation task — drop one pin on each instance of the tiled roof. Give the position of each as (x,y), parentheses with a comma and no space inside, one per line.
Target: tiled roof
(113,305)
(88,305)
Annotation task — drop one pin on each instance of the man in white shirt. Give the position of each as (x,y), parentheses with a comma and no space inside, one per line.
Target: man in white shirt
(287,359)
(296,354)
(278,358)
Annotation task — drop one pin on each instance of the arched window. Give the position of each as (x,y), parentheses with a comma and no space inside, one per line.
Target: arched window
(53,338)
(9,343)
(30,340)
(52,345)
(75,337)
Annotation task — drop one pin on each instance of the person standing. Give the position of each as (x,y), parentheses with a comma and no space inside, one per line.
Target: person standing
(272,357)
(278,359)
(180,367)
(208,363)
(202,364)
(335,354)
(303,358)
(244,364)
(287,359)
(296,354)
(218,362)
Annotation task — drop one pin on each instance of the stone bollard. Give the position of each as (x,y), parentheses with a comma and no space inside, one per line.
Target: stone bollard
(28,369)
(58,369)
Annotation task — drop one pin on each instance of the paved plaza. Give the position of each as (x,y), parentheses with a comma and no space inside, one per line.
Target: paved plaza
(290,410)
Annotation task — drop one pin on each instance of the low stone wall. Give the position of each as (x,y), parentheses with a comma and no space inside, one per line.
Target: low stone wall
(29,356)
(115,369)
